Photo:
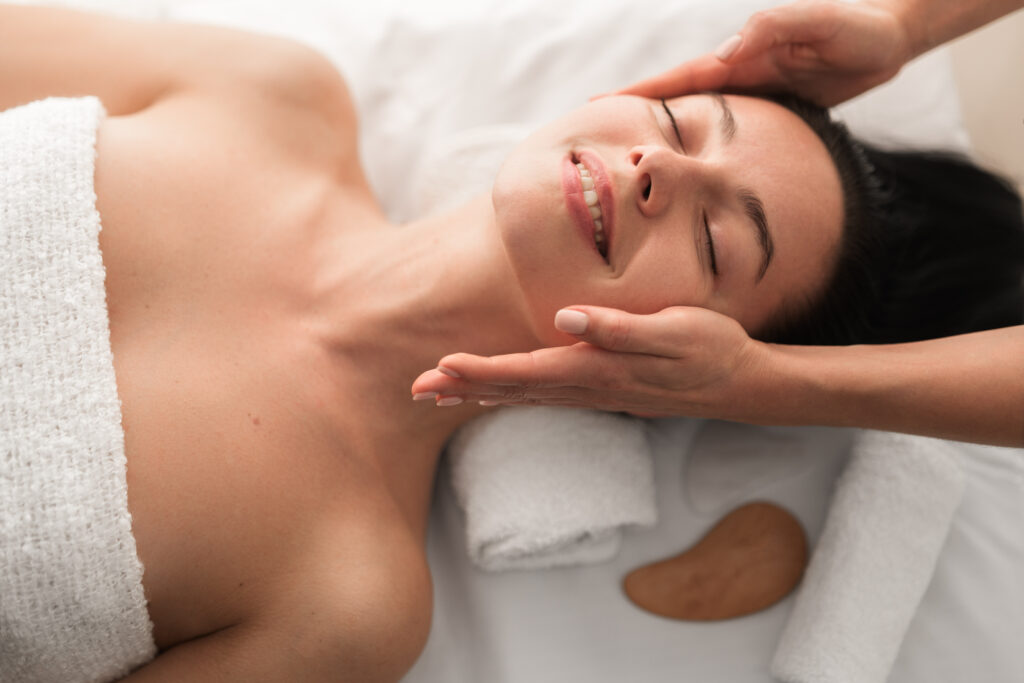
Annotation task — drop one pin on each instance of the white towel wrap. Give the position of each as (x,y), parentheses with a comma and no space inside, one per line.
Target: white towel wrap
(887,522)
(72,607)
(546,487)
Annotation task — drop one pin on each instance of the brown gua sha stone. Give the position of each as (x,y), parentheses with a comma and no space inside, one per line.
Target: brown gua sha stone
(751,559)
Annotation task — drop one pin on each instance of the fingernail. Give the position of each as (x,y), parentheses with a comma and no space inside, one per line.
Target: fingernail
(488,403)
(599,96)
(449,401)
(729,47)
(424,395)
(448,371)
(573,322)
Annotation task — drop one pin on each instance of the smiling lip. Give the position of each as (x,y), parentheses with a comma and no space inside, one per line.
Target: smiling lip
(605,195)
(573,188)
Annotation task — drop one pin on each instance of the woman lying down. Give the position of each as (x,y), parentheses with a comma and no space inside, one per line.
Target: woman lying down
(266,322)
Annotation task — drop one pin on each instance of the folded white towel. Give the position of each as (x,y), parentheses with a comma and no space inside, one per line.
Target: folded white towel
(546,487)
(887,522)
(72,607)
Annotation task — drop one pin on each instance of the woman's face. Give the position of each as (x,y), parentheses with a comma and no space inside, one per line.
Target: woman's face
(744,176)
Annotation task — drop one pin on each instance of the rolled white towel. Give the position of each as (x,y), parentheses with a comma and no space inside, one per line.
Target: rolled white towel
(546,487)
(887,522)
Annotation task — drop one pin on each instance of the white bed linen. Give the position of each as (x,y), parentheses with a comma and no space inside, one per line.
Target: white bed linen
(421,72)
(575,624)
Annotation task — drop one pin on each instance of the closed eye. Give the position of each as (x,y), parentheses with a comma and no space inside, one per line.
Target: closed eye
(674,126)
(711,246)
(707,230)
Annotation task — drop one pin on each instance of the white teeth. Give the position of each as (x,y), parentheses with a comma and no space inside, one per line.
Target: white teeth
(590,197)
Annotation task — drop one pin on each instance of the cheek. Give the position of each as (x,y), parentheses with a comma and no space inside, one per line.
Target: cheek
(663,273)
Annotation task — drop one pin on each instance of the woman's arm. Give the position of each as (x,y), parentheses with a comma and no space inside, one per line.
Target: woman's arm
(930,23)
(130,64)
(691,361)
(969,387)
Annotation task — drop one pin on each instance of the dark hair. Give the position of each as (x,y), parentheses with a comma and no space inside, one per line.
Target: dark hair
(932,246)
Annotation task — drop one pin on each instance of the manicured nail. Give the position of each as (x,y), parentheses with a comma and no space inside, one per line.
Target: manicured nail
(488,403)
(448,371)
(449,401)
(424,395)
(573,322)
(729,47)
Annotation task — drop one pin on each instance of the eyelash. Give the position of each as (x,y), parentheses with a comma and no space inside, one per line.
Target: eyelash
(707,230)
(711,246)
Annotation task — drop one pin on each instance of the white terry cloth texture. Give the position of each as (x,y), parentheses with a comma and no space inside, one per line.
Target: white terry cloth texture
(72,607)
(548,487)
(887,522)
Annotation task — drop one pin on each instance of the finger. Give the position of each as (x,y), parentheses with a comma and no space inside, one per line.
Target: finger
(576,365)
(697,75)
(582,399)
(434,384)
(555,402)
(770,28)
(665,333)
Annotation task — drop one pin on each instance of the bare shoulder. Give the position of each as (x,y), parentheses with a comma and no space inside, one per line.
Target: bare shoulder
(130,64)
(281,90)
(280,69)
(363,617)
(364,609)
(252,102)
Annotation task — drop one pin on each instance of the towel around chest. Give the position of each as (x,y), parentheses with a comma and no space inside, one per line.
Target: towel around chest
(72,607)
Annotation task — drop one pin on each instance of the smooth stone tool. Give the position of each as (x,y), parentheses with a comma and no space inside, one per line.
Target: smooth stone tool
(751,559)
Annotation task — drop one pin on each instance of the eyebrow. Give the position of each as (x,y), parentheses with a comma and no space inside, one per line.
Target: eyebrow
(728,122)
(752,204)
(755,211)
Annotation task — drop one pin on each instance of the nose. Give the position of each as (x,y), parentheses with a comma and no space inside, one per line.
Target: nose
(661,175)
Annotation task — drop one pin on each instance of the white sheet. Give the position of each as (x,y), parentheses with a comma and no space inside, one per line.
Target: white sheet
(421,72)
(575,625)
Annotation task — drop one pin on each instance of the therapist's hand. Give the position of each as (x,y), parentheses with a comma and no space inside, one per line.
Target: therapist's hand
(679,361)
(822,50)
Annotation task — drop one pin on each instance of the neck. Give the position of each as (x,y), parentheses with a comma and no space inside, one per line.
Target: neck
(392,302)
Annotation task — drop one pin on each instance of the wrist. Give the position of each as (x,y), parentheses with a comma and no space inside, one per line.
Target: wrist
(910,18)
(783,387)
(926,24)
(822,385)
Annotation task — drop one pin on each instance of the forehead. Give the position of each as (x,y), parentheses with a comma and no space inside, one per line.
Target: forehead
(777,155)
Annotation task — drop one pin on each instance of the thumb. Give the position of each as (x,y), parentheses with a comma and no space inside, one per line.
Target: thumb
(699,74)
(659,334)
(764,30)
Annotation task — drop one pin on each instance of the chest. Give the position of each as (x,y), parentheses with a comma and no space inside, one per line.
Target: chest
(206,239)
